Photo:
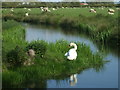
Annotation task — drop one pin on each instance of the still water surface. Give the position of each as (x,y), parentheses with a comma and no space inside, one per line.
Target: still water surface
(106,78)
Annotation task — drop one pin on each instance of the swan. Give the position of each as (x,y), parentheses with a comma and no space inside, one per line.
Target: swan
(72,54)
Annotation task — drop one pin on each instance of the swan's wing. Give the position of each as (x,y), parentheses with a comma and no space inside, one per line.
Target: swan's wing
(67,54)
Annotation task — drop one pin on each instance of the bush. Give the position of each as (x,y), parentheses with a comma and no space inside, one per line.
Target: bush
(17,56)
(38,47)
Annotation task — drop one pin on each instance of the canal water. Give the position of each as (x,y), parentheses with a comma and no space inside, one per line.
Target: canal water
(105,78)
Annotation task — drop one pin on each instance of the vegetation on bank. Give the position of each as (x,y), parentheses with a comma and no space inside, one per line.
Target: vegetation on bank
(63,3)
(49,61)
(100,26)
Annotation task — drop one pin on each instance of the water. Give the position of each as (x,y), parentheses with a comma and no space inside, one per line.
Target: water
(106,78)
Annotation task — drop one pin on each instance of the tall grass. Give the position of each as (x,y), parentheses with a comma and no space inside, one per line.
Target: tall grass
(13,35)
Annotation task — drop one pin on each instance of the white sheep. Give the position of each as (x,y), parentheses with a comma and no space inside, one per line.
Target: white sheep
(92,10)
(42,9)
(111,10)
(12,9)
(53,9)
(110,13)
(45,9)
(29,9)
(26,14)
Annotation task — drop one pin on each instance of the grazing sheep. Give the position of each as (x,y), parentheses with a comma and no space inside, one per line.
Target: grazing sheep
(12,10)
(53,9)
(92,10)
(26,14)
(110,13)
(45,9)
(42,9)
(29,9)
(111,10)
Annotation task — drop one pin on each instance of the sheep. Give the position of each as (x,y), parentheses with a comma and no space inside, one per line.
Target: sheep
(12,10)
(92,10)
(26,14)
(45,9)
(53,9)
(110,13)
(111,10)
(29,9)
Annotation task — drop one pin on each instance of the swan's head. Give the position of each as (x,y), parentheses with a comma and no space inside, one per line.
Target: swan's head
(74,45)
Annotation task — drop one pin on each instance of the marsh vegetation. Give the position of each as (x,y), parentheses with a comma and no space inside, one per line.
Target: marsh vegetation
(49,61)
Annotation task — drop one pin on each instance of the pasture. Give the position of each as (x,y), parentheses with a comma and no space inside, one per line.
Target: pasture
(68,12)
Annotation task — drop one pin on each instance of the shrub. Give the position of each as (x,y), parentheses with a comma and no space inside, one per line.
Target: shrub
(17,56)
(38,47)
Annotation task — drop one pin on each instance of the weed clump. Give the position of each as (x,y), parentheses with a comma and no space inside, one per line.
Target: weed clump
(39,48)
(17,56)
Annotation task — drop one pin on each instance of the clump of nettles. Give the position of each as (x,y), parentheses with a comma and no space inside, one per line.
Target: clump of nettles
(39,48)
(17,56)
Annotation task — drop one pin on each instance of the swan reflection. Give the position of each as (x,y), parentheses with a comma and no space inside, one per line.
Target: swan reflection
(73,79)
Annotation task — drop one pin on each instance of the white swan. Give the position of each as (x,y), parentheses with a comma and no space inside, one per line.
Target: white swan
(72,54)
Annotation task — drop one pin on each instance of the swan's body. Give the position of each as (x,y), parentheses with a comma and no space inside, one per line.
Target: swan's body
(72,54)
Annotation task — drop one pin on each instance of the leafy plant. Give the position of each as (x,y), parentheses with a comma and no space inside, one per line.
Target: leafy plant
(17,56)
(38,47)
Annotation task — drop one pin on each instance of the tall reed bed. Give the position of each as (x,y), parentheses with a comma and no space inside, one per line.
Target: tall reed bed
(13,35)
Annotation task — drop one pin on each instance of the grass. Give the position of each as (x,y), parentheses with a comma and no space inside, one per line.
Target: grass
(96,25)
(13,35)
(52,65)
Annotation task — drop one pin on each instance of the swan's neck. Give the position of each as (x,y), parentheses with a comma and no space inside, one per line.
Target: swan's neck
(75,46)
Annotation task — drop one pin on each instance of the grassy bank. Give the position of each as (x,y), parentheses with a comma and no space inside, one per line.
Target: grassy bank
(13,35)
(100,26)
(49,61)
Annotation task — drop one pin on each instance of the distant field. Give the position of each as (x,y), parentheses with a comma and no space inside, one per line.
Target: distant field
(69,12)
